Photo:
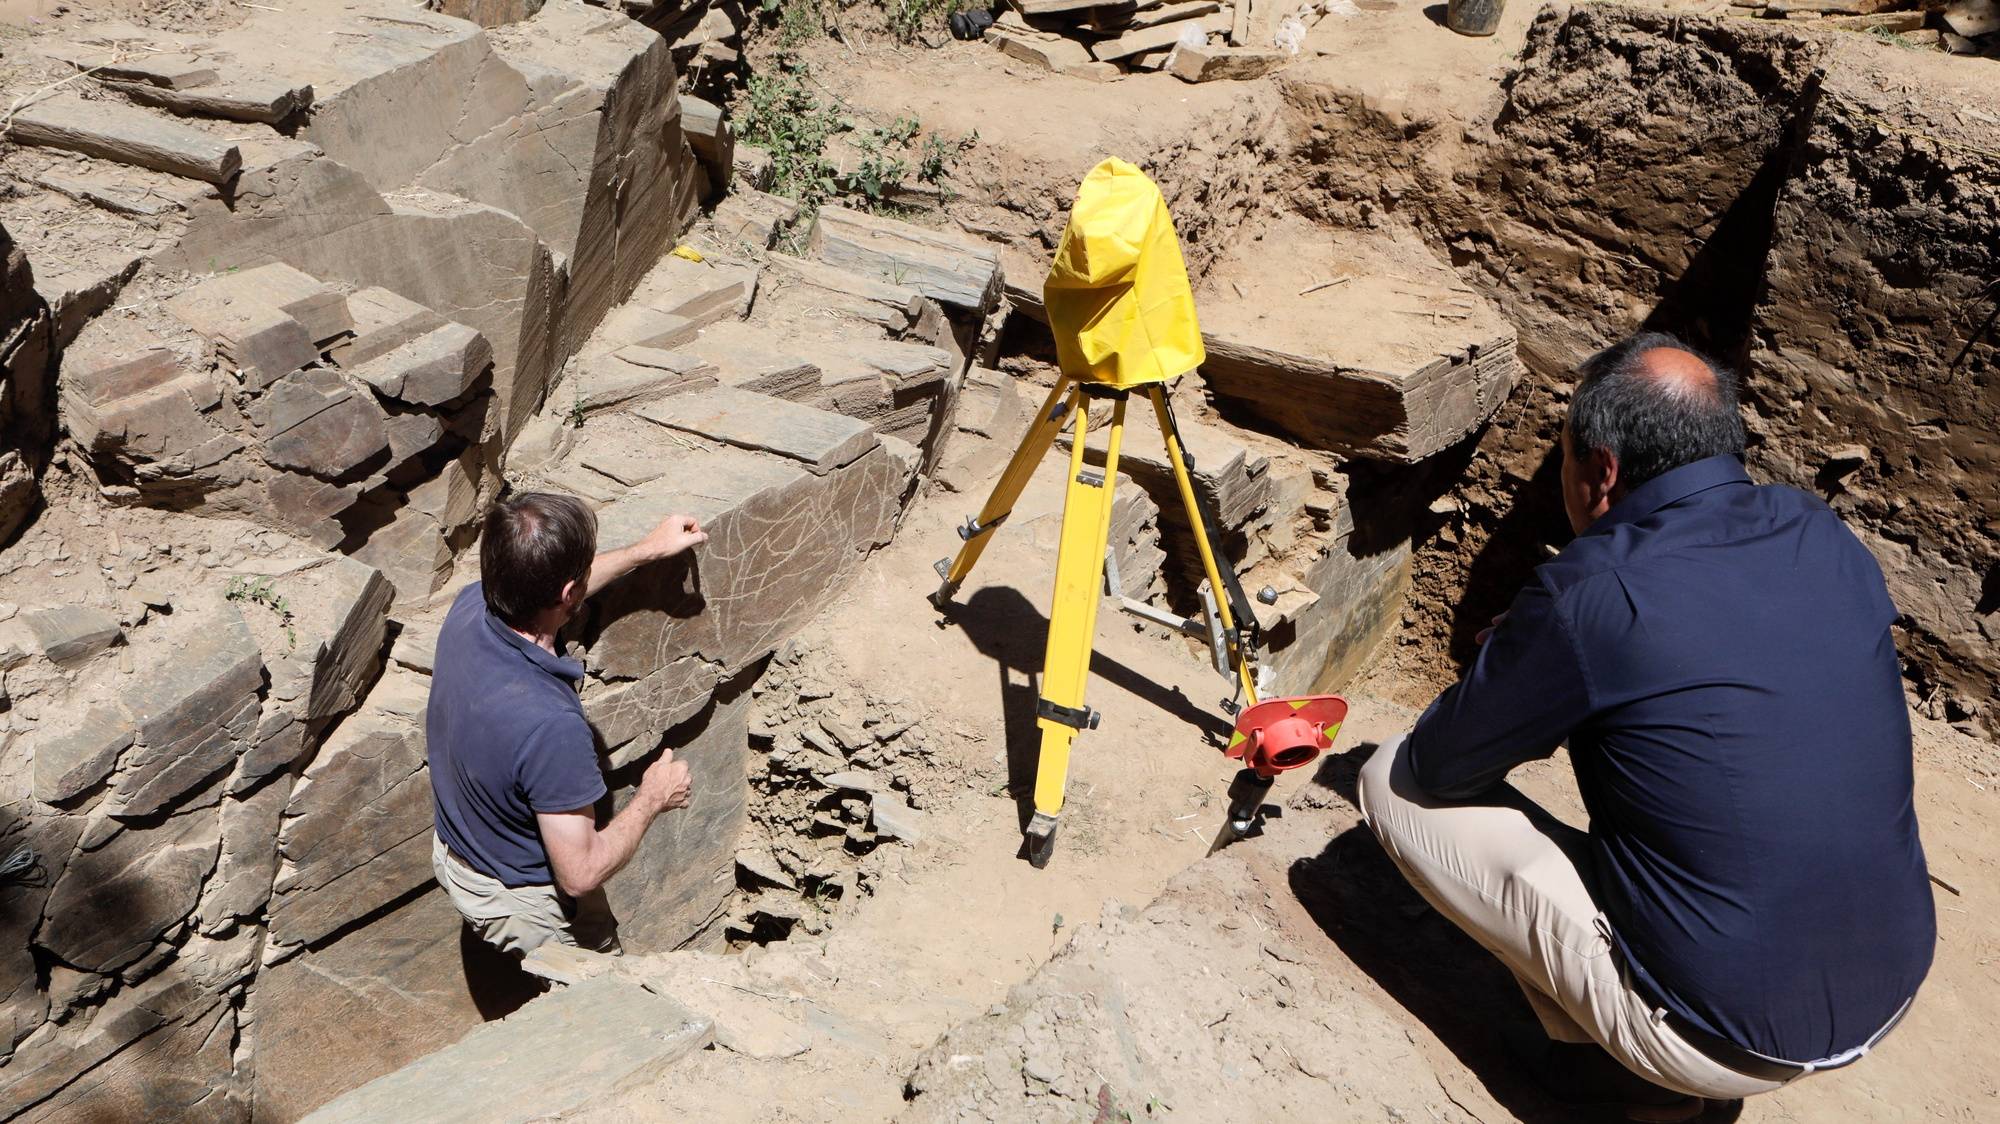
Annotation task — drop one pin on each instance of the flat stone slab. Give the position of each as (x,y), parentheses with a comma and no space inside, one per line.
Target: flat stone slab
(702,292)
(247,97)
(634,375)
(823,441)
(754,216)
(1360,342)
(947,267)
(555,1055)
(70,634)
(126,135)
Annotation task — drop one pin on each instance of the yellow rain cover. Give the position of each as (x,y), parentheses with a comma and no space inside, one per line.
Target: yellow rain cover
(1117,296)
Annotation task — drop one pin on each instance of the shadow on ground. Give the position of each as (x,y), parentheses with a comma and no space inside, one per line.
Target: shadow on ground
(495,980)
(1005,627)
(1436,972)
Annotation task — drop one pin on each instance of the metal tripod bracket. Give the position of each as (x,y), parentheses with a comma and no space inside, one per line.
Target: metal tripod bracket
(1208,629)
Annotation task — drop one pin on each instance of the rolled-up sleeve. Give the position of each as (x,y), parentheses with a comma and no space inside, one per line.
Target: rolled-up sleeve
(1524,694)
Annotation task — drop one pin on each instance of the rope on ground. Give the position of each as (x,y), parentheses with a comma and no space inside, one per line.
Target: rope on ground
(19,866)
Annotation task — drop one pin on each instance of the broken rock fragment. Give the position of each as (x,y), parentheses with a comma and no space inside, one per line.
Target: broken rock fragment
(436,367)
(71,634)
(71,761)
(315,422)
(195,712)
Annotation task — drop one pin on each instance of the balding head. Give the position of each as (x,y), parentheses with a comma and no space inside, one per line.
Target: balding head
(1648,405)
(1678,372)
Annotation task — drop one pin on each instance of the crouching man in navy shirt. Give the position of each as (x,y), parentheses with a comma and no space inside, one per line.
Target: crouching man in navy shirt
(514,770)
(1750,904)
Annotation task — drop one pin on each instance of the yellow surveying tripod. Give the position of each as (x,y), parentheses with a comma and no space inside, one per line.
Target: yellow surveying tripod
(1123,316)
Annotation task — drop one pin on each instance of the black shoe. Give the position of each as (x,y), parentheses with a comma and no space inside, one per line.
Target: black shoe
(1584,1075)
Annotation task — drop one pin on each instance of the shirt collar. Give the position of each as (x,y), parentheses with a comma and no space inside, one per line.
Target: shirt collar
(565,669)
(1672,487)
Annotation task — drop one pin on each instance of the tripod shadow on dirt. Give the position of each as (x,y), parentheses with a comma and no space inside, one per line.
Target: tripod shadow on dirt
(1008,629)
(1437,973)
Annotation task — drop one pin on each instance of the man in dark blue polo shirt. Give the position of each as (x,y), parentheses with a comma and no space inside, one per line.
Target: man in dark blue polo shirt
(1750,903)
(514,770)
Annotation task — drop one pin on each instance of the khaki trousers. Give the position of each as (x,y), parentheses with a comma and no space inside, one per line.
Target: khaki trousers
(519,919)
(1508,873)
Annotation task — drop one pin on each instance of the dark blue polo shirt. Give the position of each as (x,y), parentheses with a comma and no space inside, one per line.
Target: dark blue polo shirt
(507,739)
(1718,655)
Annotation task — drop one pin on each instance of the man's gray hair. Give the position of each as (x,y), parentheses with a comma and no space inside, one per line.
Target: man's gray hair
(1653,425)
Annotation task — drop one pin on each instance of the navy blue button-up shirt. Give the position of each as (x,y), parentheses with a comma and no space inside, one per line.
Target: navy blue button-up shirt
(1719,657)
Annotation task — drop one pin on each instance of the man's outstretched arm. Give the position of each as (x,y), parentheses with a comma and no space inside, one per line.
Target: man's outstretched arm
(582,857)
(675,534)
(1523,695)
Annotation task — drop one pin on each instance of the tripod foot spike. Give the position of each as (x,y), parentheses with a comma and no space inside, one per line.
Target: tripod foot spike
(941,599)
(1039,841)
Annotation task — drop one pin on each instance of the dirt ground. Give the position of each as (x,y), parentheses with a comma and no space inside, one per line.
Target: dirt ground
(1133,952)
(1400,1011)
(1382,1005)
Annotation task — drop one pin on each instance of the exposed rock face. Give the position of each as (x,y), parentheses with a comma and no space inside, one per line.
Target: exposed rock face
(112,902)
(285,396)
(356,832)
(532,176)
(402,977)
(25,369)
(262,419)
(1752,190)
(679,880)
(1868,340)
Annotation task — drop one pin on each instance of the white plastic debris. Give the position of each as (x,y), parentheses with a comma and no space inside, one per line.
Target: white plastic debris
(1291,35)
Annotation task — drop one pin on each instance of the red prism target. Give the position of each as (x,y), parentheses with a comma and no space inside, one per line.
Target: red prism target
(1281,734)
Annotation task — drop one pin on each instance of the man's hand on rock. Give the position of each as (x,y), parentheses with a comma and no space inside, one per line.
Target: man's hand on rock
(675,534)
(667,783)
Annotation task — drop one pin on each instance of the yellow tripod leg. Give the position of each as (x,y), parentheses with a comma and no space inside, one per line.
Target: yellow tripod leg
(1061,402)
(1177,457)
(1073,624)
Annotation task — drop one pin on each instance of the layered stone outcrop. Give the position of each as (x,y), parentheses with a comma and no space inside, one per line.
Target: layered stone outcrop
(1750,187)
(520,180)
(25,370)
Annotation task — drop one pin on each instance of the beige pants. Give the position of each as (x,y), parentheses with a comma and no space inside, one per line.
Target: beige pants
(1506,872)
(519,919)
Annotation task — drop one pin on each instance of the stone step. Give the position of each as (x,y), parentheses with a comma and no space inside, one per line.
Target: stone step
(120,133)
(633,376)
(1233,479)
(993,405)
(552,1056)
(819,439)
(747,356)
(705,291)
(895,387)
(754,217)
(951,268)
(818,286)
